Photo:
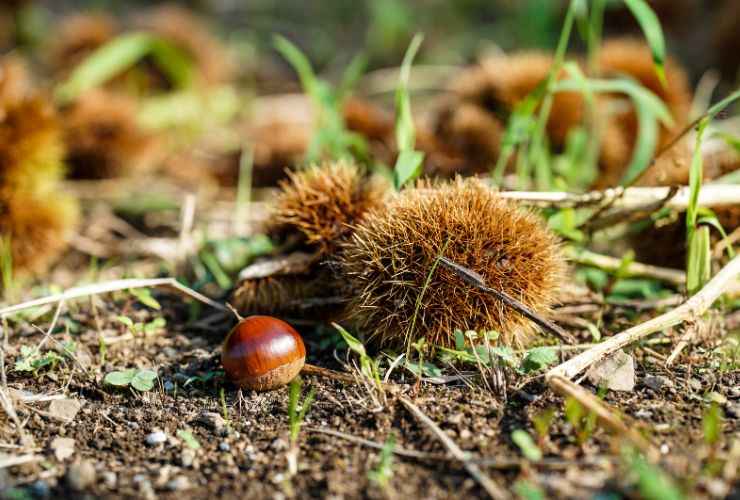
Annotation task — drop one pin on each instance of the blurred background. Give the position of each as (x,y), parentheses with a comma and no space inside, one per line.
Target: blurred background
(131,108)
(703,34)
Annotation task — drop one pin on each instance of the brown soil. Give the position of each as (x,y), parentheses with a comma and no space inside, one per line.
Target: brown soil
(246,458)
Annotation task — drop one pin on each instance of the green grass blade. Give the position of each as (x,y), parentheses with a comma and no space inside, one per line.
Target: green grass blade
(721,105)
(650,26)
(299,62)
(174,63)
(409,162)
(104,63)
(650,110)
(405,132)
(351,75)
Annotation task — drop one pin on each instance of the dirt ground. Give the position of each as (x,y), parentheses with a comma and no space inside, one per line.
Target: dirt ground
(244,456)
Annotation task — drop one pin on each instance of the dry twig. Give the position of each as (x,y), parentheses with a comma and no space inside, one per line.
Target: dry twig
(493,489)
(112,286)
(690,310)
(474,279)
(633,198)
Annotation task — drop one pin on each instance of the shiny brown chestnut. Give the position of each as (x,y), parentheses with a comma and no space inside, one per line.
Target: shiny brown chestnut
(262,353)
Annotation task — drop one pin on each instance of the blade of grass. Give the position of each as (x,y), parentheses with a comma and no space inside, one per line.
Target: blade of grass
(409,162)
(650,26)
(120,54)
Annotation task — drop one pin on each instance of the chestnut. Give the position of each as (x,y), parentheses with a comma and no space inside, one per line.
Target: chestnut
(262,353)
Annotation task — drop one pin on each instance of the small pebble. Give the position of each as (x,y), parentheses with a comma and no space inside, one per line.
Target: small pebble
(65,409)
(178,484)
(733,409)
(80,476)
(156,438)
(169,386)
(146,490)
(224,446)
(657,382)
(279,445)
(643,414)
(109,479)
(138,478)
(695,384)
(187,457)
(169,352)
(40,489)
(213,421)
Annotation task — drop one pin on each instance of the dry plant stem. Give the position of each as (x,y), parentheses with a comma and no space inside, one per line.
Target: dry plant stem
(401,452)
(476,280)
(634,269)
(187,219)
(725,243)
(420,455)
(682,343)
(633,198)
(19,460)
(112,286)
(690,310)
(566,388)
(327,373)
(493,489)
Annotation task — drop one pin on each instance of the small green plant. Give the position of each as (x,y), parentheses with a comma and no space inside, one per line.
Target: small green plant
(409,162)
(528,490)
(32,360)
(652,482)
(141,380)
(144,295)
(422,367)
(295,420)
(296,416)
(383,473)
(727,355)
(712,424)
(583,422)
(369,367)
(102,348)
(542,423)
(331,137)
(141,328)
(526,444)
(204,378)
(188,438)
(700,219)
(538,358)
(6,265)
(221,260)
(224,407)
(475,348)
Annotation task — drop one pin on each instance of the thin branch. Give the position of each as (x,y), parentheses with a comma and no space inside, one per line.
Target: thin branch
(633,269)
(398,450)
(633,198)
(493,489)
(690,310)
(112,286)
(12,461)
(476,280)
(494,463)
